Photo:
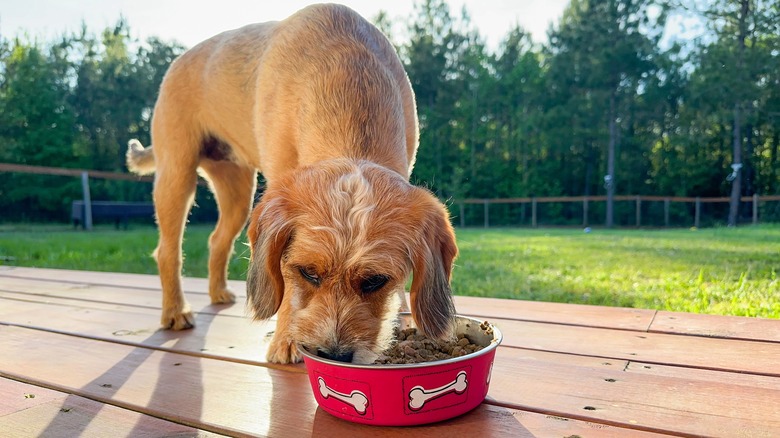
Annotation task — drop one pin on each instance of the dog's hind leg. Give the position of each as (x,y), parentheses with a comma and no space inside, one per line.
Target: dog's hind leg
(233,186)
(175,180)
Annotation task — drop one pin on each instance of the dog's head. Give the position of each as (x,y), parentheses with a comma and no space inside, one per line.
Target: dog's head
(333,244)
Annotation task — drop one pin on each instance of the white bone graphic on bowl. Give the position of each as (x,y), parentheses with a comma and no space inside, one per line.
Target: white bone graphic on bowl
(356,399)
(418,396)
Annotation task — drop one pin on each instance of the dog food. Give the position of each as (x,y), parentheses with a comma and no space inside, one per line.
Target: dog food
(413,347)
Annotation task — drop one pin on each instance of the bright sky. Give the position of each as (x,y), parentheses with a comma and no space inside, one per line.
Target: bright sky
(190,21)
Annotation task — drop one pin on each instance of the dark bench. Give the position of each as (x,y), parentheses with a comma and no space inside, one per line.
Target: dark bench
(119,211)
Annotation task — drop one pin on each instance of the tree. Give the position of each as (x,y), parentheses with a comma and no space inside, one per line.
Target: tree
(728,105)
(431,59)
(74,102)
(739,26)
(600,98)
(608,46)
(35,123)
(517,95)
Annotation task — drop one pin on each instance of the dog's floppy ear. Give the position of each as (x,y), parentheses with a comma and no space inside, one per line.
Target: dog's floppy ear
(432,257)
(269,232)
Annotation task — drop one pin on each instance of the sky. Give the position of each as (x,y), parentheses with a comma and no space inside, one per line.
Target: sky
(188,24)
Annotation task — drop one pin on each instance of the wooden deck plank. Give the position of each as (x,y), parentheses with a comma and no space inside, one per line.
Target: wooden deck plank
(236,339)
(109,287)
(56,414)
(227,397)
(121,279)
(215,395)
(148,298)
(717,326)
(96,286)
(748,380)
(17,396)
(217,335)
(658,348)
(691,375)
(570,314)
(548,386)
(57,282)
(230,338)
(608,393)
(485,421)
(214,336)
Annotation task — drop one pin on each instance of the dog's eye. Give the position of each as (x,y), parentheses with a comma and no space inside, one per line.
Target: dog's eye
(310,275)
(373,283)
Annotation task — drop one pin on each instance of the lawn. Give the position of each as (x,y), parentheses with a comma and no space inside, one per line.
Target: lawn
(730,271)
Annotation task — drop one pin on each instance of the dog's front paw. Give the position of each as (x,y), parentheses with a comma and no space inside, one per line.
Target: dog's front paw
(282,351)
(178,319)
(222,296)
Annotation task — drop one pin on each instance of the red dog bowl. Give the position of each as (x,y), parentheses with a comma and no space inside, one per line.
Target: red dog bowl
(407,394)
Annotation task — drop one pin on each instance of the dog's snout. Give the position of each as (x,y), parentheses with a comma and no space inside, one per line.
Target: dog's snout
(340,356)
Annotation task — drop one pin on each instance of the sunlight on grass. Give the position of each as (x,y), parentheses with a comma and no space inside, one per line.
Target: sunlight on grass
(719,270)
(723,271)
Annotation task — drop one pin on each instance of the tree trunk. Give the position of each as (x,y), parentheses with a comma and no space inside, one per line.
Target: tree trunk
(588,169)
(771,185)
(473,138)
(749,172)
(610,178)
(736,183)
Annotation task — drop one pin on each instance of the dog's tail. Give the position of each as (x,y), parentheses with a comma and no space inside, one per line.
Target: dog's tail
(140,160)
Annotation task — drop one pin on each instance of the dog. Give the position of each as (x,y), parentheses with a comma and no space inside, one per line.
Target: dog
(320,104)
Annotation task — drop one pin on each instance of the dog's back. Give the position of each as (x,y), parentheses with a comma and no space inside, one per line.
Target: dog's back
(322,84)
(339,90)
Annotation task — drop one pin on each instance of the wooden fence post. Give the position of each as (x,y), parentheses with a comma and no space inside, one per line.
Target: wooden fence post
(487,213)
(87,201)
(533,212)
(755,208)
(522,212)
(462,216)
(638,211)
(667,201)
(585,211)
(698,212)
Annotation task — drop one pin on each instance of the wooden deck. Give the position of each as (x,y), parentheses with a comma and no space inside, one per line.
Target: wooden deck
(80,355)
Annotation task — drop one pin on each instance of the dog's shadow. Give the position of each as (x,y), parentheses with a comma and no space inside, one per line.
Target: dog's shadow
(173,374)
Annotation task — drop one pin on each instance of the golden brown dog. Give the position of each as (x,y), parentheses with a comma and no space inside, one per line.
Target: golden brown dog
(321,105)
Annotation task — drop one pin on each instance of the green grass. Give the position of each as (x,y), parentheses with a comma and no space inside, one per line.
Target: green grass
(730,271)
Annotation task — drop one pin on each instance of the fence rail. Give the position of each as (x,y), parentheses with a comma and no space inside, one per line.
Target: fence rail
(84,174)
(44,170)
(586,202)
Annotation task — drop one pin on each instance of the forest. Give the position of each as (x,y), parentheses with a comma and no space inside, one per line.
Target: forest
(613,103)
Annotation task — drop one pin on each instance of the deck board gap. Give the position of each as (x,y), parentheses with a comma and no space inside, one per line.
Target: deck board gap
(652,320)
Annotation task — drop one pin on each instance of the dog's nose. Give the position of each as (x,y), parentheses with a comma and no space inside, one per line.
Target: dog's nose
(341,356)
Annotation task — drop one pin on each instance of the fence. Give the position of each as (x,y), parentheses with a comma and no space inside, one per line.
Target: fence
(634,211)
(59,180)
(589,210)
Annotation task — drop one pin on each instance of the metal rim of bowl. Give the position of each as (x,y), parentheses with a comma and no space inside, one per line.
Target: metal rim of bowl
(497,338)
